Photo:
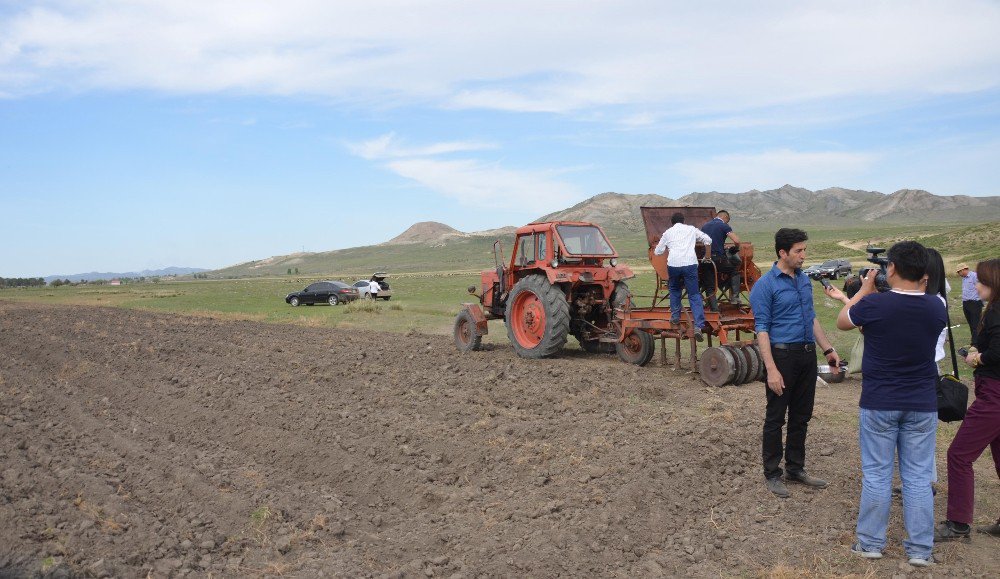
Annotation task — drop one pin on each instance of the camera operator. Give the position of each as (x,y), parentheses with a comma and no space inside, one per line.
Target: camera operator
(898,406)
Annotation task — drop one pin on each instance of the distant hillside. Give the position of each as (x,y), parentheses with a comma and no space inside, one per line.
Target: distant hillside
(94,275)
(611,210)
(425,232)
(838,221)
(835,205)
(434,233)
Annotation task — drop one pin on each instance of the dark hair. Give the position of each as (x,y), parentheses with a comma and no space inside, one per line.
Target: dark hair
(677,218)
(910,259)
(935,273)
(988,274)
(721,211)
(786,237)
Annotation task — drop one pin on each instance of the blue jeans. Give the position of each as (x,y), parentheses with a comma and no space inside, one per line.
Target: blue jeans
(686,277)
(882,434)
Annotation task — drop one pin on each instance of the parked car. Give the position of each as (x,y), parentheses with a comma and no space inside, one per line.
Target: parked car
(384,292)
(830,269)
(323,292)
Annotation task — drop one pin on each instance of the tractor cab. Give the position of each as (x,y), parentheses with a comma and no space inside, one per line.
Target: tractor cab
(563,244)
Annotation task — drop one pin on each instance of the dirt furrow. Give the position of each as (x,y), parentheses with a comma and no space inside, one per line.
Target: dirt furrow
(137,443)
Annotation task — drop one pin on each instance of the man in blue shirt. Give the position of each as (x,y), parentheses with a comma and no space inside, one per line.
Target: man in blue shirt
(972,306)
(718,229)
(898,400)
(787,333)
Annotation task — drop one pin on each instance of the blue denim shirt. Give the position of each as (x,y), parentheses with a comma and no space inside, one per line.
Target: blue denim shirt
(783,306)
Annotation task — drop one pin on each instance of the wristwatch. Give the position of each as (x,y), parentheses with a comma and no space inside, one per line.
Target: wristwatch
(828,351)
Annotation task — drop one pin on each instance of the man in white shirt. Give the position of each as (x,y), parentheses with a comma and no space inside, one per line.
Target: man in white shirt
(682,269)
(373,288)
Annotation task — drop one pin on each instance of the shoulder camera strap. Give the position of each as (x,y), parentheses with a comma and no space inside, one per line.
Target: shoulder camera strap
(951,340)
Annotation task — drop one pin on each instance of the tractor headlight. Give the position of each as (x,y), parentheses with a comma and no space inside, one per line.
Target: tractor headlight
(613,261)
(555,262)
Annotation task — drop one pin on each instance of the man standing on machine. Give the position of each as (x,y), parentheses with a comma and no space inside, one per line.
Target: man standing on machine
(718,229)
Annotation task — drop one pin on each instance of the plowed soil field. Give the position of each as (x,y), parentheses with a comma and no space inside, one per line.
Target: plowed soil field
(136,444)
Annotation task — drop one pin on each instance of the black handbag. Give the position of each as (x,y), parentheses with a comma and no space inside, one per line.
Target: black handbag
(952,395)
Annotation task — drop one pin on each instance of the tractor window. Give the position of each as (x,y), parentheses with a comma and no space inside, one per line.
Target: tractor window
(541,246)
(526,250)
(584,240)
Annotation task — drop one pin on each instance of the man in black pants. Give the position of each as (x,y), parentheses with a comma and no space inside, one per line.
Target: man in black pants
(788,332)
(972,305)
(718,229)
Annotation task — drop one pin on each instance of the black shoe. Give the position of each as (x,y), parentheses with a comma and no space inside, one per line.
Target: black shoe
(993,529)
(803,478)
(777,487)
(952,531)
(699,336)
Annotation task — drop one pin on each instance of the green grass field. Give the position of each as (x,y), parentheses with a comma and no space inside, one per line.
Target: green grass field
(957,242)
(425,303)
(430,282)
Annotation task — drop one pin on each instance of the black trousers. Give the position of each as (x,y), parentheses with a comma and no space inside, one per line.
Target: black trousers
(973,309)
(798,370)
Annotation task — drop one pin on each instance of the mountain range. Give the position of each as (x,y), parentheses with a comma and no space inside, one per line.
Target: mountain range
(95,275)
(618,213)
(826,206)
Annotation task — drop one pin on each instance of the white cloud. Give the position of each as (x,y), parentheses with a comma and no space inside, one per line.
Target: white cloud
(805,169)
(521,56)
(471,182)
(391,146)
(486,185)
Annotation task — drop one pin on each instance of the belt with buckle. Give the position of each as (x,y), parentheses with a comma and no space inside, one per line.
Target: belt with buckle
(799,346)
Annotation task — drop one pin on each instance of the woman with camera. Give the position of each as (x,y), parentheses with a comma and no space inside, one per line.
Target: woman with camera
(981,427)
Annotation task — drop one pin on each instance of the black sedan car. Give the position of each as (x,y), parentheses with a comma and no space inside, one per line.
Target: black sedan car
(323,292)
(830,269)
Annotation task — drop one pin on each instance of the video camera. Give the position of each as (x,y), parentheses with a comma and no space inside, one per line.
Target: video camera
(853,283)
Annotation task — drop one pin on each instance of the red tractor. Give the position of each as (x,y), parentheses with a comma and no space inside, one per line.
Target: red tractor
(563,279)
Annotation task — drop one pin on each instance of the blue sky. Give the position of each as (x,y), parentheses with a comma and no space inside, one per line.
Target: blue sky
(142,134)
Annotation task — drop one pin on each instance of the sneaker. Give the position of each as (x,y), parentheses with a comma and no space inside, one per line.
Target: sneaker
(922,561)
(777,487)
(699,336)
(952,531)
(857,550)
(993,529)
(803,478)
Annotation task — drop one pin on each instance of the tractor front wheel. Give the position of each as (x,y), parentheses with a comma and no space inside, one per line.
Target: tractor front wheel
(466,336)
(537,317)
(636,348)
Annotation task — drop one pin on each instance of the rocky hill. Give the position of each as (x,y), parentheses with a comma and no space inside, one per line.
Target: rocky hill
(619,211)
(424,232)
(611,210)
(434,233)
(857,213)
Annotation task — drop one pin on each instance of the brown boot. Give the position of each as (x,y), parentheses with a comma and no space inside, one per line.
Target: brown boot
(993,529)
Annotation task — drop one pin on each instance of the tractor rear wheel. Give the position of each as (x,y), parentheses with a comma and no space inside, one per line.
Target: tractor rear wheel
(466,336)
(537,317)
(636,348)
